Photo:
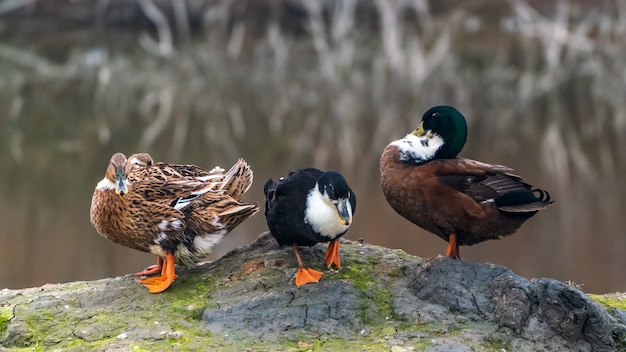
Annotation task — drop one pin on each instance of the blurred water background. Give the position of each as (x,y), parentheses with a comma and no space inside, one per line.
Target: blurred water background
(294,83)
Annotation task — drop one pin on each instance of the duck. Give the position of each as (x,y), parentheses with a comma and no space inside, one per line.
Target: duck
(462,201)
(307,207)
(176,212)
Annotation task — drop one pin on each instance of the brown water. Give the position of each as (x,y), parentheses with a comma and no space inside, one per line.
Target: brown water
(543,93)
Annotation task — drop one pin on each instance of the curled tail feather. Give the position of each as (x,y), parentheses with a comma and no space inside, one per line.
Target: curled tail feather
(237,180)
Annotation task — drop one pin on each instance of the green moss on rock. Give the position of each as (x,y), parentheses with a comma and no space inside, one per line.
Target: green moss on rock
(6,314)
(374,308)
(611,300)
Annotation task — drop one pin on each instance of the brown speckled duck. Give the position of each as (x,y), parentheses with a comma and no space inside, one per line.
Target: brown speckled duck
(462,201)
(177,212)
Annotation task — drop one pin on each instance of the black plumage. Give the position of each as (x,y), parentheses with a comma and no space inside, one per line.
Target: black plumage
(307,207)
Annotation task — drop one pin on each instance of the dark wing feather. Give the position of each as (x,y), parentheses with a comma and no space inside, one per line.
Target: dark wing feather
(285,202)
(479,180)
(483,182)
(269,189)
(472,185)
(530,200)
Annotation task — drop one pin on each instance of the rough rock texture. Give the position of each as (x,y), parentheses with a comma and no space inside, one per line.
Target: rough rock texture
(380,299)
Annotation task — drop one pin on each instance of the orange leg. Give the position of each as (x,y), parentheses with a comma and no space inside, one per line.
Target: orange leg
(160,283)
(155,279)
(453,247)
(152,269)
(305,275)
(332,254)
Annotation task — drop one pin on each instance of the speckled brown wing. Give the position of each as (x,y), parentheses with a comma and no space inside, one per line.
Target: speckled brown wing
(163,227)
(225,209)
(171,191)
(164,183)
(161,172)
(234,183)
(237,180)
(189,170)
(214,212)
(211,211)
(134,222)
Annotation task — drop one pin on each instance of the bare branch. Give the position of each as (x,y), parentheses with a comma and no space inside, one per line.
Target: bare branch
(164,46)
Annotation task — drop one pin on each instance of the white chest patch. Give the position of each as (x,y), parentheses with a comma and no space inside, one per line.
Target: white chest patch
(322,215)
(105,184)
(417,148)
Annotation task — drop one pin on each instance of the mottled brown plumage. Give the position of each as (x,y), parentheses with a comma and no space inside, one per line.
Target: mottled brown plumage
(234,183)
(462,201)
(177,212)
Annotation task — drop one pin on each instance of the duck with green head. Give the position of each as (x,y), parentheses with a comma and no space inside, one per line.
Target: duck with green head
(463,201)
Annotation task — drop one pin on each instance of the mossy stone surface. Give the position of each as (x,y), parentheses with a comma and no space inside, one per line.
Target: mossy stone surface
(380,299)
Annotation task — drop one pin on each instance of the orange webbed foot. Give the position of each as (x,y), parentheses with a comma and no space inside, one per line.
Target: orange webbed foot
(151,280)
(307,275)
(161,283)
(332,254)
(152,269)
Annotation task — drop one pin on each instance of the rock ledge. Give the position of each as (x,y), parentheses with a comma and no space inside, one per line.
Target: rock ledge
(381,298)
